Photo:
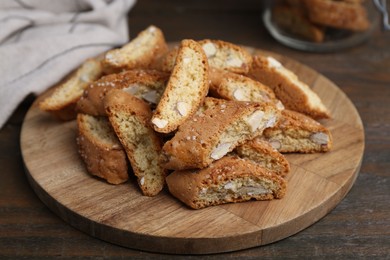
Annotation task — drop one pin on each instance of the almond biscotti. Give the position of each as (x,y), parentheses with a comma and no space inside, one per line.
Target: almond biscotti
(338,14)
(62,101)
(298,133)
(226,56)
(167,62)
(100,149)
(211,134)
(186,88)
(141,52)
(130,118)
(220,55)
(294,19)
(294,93)
(228,180)
(262,153)
(232,86)
(146,84)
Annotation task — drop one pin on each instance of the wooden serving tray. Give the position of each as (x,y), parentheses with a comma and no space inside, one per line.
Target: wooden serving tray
(121,215)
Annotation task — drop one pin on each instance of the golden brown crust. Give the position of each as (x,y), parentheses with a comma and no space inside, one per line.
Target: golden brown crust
(92,100)
(338,14)
(214,132)
(167,61)
(225,181)
(221,55)
(296,132)
(186,89)
(294,20)
(130,118)
(231,86)
(101,150)
(61,102)
(294,94)
(262,153)
(141,52)
(226,56)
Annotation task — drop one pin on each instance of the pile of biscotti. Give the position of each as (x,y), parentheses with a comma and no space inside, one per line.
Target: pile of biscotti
(205,118)
(310,19)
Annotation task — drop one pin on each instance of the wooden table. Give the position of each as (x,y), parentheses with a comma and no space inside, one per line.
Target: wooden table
(358,227)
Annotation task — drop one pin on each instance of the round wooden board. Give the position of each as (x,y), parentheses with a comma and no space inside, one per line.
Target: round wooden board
(121,215)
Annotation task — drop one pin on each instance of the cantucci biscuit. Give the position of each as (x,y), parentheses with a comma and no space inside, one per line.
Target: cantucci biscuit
(226,56)
(167,62)
(130,118)
(211,134)
(146,84)
(100,149)
(228,180)
(296,132)
(294,20)
(338,14)
(232,86)
(62,101)
(141,52)
(186,88)
(262,153)
(220,55)
(294,93)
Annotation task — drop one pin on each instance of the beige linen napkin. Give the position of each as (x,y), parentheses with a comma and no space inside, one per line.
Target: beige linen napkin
(43,40)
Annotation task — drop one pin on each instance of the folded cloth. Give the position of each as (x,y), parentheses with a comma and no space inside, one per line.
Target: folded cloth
(43,40)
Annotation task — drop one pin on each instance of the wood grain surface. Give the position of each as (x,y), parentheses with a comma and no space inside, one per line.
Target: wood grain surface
(357,228)
(121,215)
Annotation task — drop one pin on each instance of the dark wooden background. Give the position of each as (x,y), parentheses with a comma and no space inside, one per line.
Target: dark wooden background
(359,227)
